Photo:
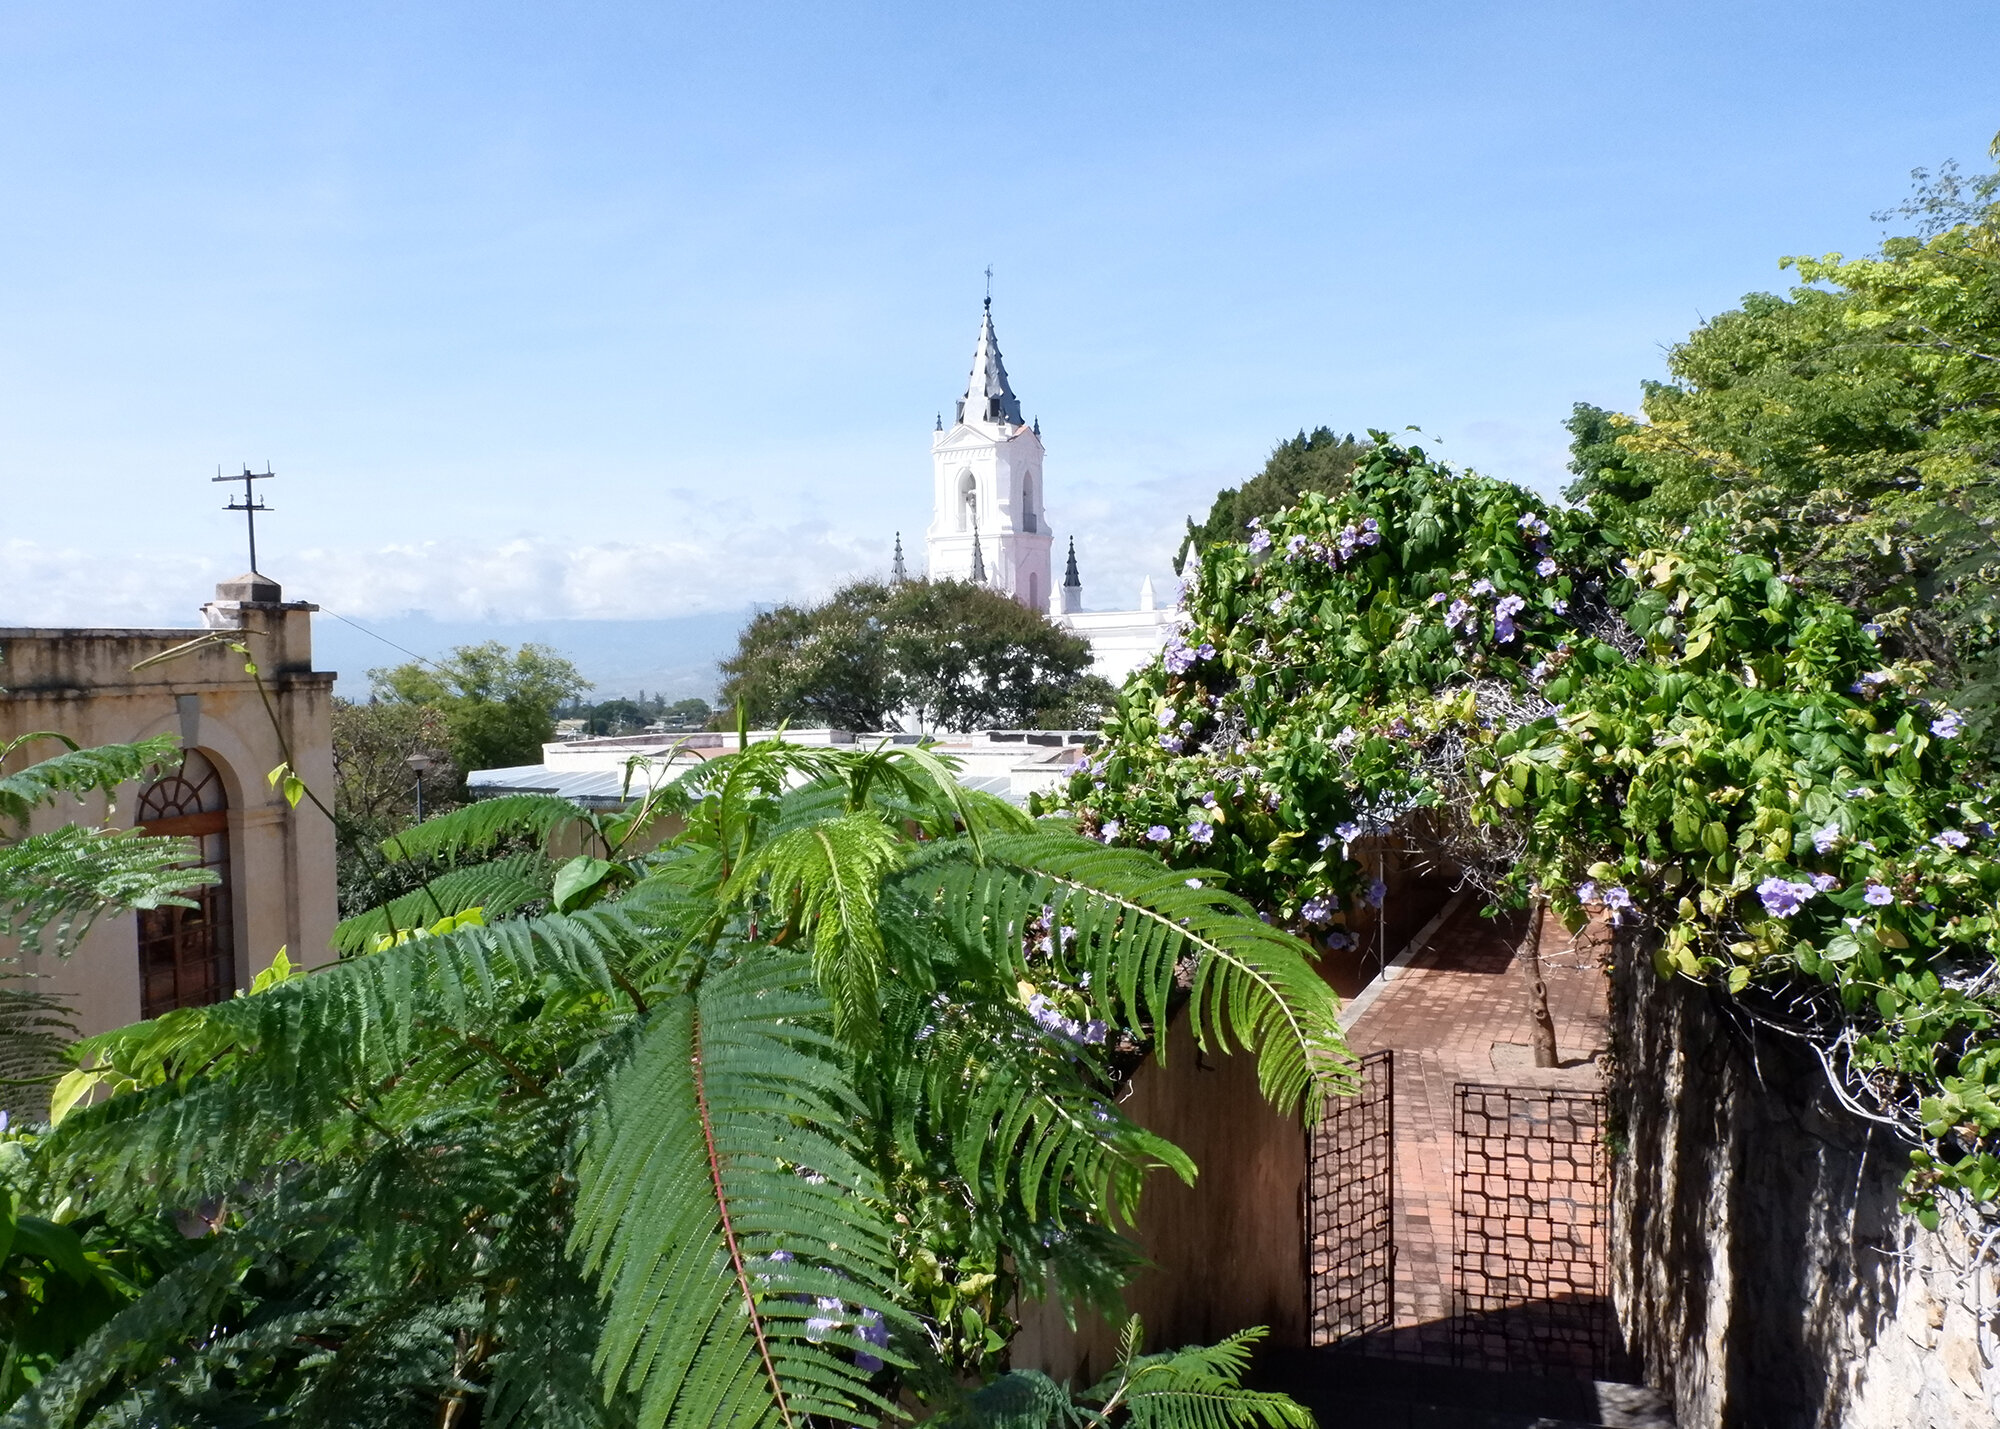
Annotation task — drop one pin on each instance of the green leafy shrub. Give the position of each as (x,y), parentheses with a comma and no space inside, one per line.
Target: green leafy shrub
(1663,731)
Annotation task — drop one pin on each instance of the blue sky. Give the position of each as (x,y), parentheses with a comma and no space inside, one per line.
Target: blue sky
(619,311)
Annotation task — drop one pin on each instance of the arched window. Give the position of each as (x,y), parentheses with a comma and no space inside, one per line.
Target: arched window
(187,956)
(1030,518)
(1034,588)
(968,501)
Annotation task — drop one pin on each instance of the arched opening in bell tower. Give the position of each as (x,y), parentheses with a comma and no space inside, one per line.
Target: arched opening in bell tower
(968,501)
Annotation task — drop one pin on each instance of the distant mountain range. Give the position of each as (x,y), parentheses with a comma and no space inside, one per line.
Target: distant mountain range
(674,657)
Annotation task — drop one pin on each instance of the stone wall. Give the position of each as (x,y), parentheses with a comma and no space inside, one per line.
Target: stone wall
(1760,1266)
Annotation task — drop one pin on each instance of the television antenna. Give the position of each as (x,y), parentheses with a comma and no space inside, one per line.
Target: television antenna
(250,505)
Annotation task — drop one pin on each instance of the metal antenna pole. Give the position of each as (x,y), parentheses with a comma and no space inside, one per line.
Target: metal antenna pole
(250,506)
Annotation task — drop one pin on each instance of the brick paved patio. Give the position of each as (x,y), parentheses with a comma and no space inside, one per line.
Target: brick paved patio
(1459,1013)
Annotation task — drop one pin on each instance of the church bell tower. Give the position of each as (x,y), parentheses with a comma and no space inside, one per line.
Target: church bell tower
(987,519)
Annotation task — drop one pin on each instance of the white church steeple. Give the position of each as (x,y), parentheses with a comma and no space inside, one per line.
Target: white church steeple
(987,473)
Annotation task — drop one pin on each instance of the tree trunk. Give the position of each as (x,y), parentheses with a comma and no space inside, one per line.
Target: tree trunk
(1538,992)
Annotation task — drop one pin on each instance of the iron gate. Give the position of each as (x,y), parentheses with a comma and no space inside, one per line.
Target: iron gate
(1529,1246)
(1350,1198)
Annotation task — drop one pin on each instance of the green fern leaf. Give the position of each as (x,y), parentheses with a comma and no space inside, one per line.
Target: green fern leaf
(721,1202)
(478,826)
(79,771)
(55,885)
(499,888)
(823,880)
(1134,919)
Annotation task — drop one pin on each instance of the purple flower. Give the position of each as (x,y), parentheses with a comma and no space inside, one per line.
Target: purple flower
(1617,900)
(1318,911)
(1482,587)
(1260,542)
(1325,842)
(1586,892)
(1373,895)
(1457,615)
(1171,743)
(1948,725)
(1159,833)
(1092,1033)
(1199,832)
(1782,897)
(1284,599)
(1109,833)
(1951,839)
(1437,597)
(1178,657)
(1208,800)
(1871,628)
(1349,831)
(1273,799)
(1194,883)
(1295,545)
(875,1333)
(1877,896)
(1205,651)
(1084,766)
(1560,607)
(1533,525)
(1825,838)
(1825,882)
(1545,567)
(1339,939)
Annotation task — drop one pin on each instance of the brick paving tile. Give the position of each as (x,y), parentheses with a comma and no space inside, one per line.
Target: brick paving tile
(1445,1015)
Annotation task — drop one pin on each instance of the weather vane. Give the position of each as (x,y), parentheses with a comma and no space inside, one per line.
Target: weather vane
(250,505)
(989,285)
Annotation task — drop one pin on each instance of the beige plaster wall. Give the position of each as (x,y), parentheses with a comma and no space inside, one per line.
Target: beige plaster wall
(81,683)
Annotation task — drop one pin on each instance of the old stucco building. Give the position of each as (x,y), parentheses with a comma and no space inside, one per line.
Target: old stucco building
(276,862)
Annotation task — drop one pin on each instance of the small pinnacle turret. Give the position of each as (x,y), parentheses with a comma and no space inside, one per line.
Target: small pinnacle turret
(978,560)
(898,570)
(1072,586)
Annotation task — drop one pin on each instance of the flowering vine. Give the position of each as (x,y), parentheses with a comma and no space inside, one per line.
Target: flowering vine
(1660,730)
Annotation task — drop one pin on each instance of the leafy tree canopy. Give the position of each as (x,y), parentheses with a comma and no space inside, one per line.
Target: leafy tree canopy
(499,705)
(1311,461)
(1849,431)
(943,654)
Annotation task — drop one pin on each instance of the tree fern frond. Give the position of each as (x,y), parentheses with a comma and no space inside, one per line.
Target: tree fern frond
(183,1298)
(498,888)
(35,1031)
(1133,920)
(1020,1399)
(60,882)
(320,1043)
(723,1210)
(478,826)
(822,880)
(79,771)
(1021,1111)
(1199,1387)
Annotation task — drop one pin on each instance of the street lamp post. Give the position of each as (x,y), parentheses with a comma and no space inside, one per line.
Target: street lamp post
(418,763)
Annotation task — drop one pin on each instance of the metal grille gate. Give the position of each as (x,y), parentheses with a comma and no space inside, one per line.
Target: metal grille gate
(1530,1226)
(1350,1200)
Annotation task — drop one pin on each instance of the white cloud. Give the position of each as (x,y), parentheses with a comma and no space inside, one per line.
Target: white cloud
(521,579)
